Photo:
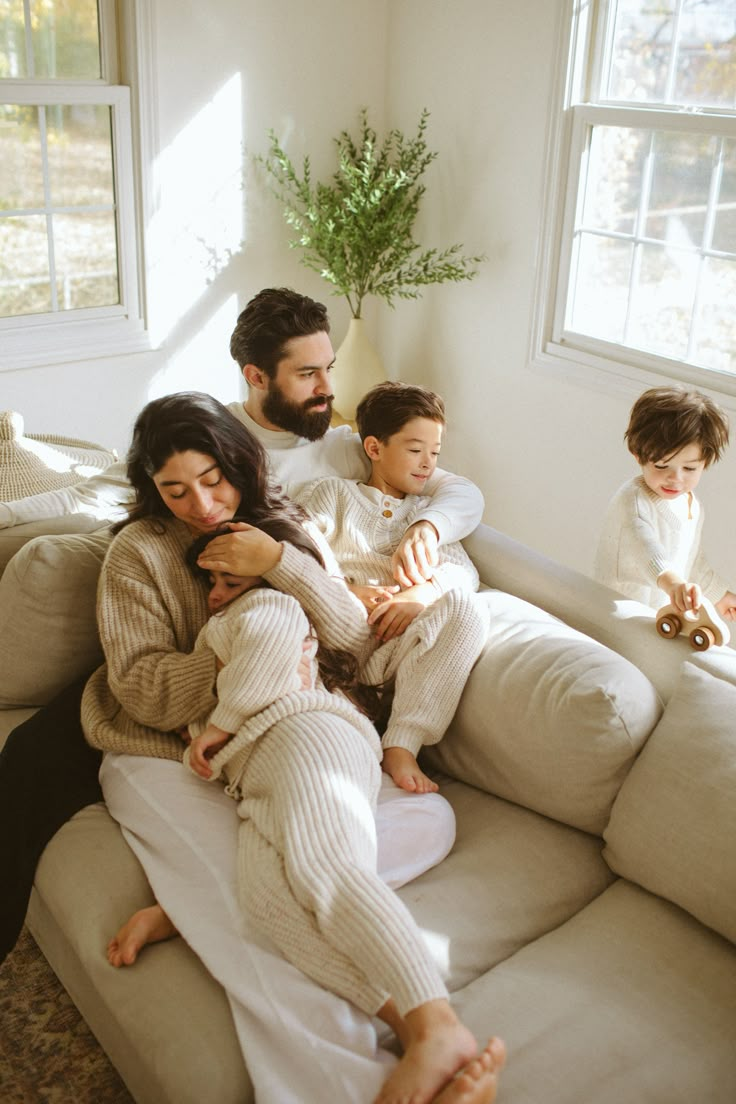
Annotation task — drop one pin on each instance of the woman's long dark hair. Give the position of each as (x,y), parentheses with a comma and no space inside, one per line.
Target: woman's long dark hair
(338,668)
(194,421)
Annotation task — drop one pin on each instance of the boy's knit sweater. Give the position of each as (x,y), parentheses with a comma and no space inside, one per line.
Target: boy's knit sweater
(150,609)
(640,539)
(364,527)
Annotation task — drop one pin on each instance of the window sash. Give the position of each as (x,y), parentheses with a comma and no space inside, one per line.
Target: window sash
(68,335)
(572,117)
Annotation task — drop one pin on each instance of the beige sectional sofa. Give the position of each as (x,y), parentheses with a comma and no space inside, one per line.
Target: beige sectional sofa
(587,912)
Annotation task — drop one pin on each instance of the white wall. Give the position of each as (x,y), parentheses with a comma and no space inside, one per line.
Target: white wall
(547,451)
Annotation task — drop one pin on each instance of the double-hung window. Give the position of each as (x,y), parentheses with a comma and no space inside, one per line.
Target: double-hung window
(642,266)
(68,244)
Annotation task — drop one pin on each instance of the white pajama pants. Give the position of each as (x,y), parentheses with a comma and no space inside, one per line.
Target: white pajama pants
(308,870)
(429,664)
(302,1044)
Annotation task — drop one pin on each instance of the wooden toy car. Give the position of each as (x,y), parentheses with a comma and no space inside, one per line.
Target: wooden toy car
(703,628)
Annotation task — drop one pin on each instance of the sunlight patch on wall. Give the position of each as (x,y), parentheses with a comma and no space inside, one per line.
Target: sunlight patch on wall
(199,223)
(204,363)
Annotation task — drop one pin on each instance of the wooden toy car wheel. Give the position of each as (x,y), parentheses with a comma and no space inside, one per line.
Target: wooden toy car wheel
(701,639)
(669,626)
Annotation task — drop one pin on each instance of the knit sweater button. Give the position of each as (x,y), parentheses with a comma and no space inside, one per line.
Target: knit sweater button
(388,513)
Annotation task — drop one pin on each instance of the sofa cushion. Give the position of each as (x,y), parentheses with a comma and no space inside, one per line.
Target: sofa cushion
(511,876)
(549,718)
(48,627)
(630,1001)
(673,825)
(14,537)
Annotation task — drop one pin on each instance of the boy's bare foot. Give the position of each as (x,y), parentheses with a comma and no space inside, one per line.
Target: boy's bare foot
(437,1046)
(148,925)
(476,1083)
(406,772)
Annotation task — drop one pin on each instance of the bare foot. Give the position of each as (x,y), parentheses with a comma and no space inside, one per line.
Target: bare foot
(476,1083)
(406,772)
(148,925)
(437,1047)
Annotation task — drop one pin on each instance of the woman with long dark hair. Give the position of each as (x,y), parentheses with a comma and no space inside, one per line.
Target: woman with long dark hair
(193,468)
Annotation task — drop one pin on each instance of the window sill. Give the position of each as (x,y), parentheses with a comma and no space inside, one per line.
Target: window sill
(51,341)
(615,376)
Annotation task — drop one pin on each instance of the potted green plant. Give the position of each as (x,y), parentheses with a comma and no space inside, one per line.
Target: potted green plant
(357,231)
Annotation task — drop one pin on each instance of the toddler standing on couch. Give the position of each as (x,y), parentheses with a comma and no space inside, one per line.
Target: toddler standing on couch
(649,547)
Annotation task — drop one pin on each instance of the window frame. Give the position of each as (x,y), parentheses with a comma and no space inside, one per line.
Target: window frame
(61,337)
(592,361)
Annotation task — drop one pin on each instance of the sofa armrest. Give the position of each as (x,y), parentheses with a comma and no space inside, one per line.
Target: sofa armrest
(626,626)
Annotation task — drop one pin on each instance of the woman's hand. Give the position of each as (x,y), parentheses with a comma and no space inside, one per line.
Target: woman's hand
(246,551)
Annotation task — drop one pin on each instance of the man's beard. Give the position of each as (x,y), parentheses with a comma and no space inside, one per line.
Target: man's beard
(296,417)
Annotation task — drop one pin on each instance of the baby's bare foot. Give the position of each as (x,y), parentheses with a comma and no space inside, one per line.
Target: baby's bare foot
(406,772)
(477,1082)
(435,1052)
(148,925)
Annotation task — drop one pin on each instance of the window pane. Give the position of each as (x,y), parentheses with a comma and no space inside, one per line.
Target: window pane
(706,58)
(85,250)
(616,157)
(71,146)
(662,301)
(13,61)
(640,50)
(21,169)
(670,53)
(80,155)
(25,287)
(724,231)
(656,206)
(682,166)
(601,290)
(66,39)
(716,344)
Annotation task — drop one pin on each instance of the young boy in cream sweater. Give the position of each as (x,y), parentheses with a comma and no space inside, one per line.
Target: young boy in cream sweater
(649,548)
(430,634)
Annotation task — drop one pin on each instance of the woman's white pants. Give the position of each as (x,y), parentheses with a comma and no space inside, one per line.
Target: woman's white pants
(303,1044)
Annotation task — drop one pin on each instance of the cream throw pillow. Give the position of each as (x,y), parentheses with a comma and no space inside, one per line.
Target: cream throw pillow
(549,718)
(48,625)
(673,825)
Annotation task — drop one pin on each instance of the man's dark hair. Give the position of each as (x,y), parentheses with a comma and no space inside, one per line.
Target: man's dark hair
(273,317)
(388,406)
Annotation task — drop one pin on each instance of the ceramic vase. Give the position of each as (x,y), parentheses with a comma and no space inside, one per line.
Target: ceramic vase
(358,367)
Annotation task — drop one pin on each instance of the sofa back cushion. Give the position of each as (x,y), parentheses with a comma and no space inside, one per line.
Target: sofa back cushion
(549,718)
(14,537)
(48,626)
(673,824)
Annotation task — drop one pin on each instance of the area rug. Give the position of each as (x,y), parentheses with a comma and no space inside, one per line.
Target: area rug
(48,1055)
